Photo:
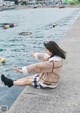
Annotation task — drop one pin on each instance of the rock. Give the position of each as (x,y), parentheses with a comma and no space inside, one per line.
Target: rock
(55,24)
(25,33)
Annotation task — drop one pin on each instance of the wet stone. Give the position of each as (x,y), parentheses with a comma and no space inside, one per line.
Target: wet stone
(25,33)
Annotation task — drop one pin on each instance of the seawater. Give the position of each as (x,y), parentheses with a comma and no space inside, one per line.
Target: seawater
(17,49)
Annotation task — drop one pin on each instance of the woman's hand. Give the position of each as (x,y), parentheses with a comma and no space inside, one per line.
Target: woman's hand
(18,70)
(44,59)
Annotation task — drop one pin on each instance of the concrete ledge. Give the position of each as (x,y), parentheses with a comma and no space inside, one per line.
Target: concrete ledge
(66,97)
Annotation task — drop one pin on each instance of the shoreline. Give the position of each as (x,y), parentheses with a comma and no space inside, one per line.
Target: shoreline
(33,7)
(66,95)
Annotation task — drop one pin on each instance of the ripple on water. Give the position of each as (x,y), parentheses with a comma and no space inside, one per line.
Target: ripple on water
(1,50)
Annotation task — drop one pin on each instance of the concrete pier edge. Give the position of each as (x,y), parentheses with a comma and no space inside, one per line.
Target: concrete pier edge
(66,97)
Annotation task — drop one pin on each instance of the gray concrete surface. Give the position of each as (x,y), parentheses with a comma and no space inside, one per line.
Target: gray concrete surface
(66,97)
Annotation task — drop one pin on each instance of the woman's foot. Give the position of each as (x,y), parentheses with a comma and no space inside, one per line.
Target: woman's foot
(7,81)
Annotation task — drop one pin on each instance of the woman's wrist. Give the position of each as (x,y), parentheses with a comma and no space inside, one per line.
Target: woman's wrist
(18,70)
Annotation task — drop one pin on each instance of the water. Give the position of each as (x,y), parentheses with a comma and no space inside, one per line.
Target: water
(17,49)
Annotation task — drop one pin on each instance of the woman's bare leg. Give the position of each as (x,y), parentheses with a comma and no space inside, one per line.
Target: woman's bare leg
(24,81)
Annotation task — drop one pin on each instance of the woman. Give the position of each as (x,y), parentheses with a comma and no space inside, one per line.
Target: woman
(47,72)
